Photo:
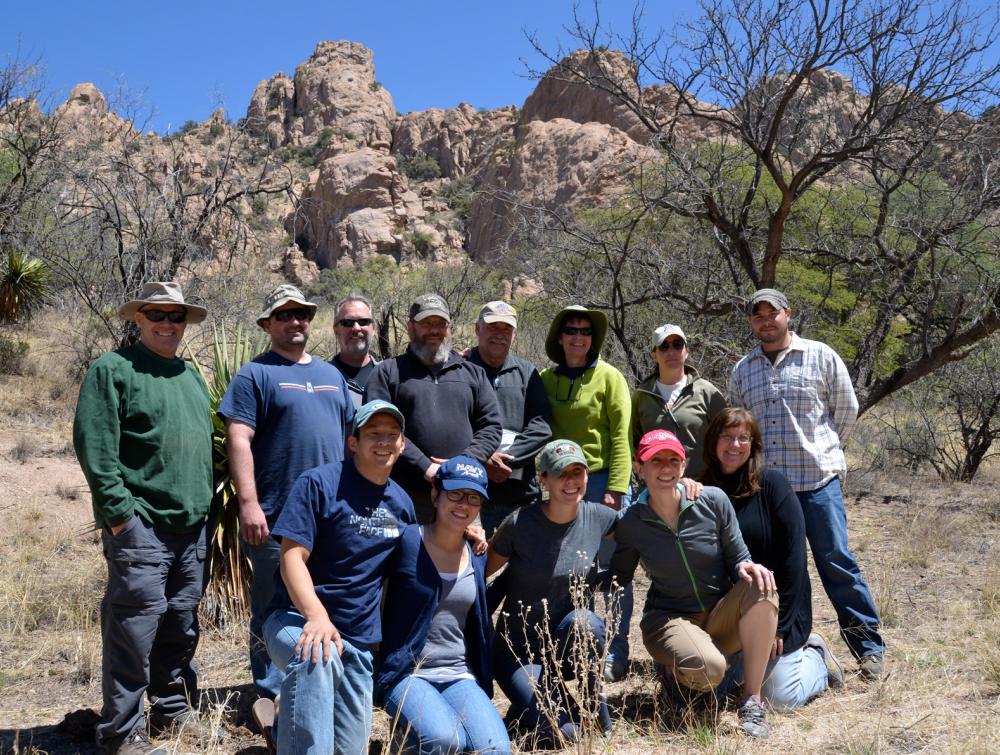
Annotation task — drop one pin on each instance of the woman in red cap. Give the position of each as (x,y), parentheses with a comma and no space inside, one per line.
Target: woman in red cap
(707,599)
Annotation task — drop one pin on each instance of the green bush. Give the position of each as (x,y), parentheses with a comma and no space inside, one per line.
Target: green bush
(217,130)
(13,356)
(458,195)
(419,168)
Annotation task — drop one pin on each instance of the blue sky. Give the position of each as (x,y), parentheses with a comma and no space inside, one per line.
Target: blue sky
(186,57)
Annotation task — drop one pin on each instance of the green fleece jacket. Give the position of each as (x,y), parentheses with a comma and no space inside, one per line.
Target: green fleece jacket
(688,418)
(143,435)
(593,410)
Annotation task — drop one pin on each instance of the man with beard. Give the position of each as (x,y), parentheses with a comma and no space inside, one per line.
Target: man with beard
(524,410)
(285,412)
(449,405)
(354,329)
(801,394)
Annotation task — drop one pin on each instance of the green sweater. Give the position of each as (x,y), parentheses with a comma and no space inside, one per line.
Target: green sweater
(594,410)
(143,435)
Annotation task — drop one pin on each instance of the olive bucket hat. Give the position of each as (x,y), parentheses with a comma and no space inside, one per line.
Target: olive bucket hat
(598,321)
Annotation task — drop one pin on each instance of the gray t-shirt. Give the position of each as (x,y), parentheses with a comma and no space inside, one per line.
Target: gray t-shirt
(443,658)
(542,557)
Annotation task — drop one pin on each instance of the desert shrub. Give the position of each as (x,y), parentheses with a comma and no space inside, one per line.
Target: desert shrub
(458,195)
(13,356)
(187,127)
(419,168)
(422,242)
(217,130)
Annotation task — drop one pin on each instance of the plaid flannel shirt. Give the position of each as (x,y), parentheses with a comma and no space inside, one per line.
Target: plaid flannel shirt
(805,405)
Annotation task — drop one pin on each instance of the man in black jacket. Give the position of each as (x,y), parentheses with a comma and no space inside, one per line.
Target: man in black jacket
(524,414)
(448,403)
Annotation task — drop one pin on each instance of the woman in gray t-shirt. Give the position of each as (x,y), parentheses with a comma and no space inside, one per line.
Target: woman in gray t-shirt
(546,633)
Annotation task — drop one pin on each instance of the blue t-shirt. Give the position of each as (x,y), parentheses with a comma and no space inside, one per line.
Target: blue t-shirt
(350,526)
(299,413)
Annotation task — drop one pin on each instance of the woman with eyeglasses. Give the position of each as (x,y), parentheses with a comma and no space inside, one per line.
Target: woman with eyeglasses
(675,398)
(435,677)
(546,634)
(707,598)
(591,407)
(801,665)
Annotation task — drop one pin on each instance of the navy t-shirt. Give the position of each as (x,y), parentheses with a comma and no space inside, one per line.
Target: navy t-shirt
(350,526)
(299,413)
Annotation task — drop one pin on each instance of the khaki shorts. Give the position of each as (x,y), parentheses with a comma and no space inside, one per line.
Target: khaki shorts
(694,648)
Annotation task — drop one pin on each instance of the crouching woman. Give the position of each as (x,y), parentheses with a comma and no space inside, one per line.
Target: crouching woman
(435,679)
(706,599)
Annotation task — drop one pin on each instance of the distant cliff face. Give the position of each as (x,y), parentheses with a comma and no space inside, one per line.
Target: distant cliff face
(435,185)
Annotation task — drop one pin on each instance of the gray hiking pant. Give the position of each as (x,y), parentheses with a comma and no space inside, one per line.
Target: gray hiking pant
(149,626)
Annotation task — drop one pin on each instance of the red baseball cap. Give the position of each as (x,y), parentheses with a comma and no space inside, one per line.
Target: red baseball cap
(659,440)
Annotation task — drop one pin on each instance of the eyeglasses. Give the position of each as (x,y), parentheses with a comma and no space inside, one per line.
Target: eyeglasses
(473,499)
(677,345)
(159,315)
(285,315)
(742,440)
(570,331)
(350,322)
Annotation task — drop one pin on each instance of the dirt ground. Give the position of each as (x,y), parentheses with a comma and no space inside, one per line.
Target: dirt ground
(930,553)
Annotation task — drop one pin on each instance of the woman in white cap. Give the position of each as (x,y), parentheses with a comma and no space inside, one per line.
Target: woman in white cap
(545,633)
(707,599)
(435,679)
(675,397)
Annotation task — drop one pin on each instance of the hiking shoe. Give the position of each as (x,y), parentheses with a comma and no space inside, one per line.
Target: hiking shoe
(188,724)
(137,743)
(870,667)
(263,713)
(753,719)
(834,671)
(614,670)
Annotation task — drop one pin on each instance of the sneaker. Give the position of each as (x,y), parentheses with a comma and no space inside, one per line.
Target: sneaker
(870,667)
(137,743)
(263,713)
(753,719)
(614,670)
(834,671)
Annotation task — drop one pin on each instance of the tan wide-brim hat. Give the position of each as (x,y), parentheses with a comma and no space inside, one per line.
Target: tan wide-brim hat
(161,292)
(598,321)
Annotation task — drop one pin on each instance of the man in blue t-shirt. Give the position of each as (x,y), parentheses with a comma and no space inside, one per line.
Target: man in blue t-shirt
(285,412)
(338,528)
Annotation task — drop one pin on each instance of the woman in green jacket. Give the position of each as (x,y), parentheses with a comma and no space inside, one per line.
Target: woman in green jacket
(675,398)
(590,406)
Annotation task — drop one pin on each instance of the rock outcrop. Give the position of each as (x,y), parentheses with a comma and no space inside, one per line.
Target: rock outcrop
(335,89)
(458,139)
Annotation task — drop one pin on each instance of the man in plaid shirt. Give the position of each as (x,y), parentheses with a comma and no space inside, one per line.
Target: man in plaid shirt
(802,396)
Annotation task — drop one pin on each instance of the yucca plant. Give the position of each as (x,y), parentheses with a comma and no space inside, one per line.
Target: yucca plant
(227,595)
(24,286)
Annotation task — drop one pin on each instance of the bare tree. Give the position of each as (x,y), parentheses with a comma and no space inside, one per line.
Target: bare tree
(829,142)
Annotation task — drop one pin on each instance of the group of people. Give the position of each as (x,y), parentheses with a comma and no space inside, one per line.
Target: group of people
(376,500)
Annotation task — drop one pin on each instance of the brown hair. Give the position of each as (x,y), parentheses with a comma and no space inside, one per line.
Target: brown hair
(734,417)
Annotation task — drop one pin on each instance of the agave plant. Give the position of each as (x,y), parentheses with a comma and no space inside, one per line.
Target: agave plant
(24,286)
(227,595)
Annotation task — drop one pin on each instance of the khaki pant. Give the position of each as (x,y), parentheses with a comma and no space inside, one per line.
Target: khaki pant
(694,648)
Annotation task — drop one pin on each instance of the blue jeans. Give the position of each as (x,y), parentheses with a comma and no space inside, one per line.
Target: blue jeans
(325,707)
(789,681)
(446,717)
(826,529)
(264,559)
(534,686)
(597,483)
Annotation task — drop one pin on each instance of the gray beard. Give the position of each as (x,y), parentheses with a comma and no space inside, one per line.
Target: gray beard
(430,356)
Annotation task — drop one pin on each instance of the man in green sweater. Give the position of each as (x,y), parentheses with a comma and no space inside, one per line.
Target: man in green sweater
(143,435)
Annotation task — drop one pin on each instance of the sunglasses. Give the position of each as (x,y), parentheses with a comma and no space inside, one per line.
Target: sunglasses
(473,499)
(571,331)
(677,345)
(286,315)
(350,322)
(158,315)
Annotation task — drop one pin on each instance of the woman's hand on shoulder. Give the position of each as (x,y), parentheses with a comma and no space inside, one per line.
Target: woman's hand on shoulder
(476,536)
(692,488)
(757,574)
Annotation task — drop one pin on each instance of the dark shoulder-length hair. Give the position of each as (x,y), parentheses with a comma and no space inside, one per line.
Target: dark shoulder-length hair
(734,417)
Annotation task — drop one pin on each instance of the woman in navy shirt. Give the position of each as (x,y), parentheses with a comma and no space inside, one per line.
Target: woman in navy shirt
(435,678)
